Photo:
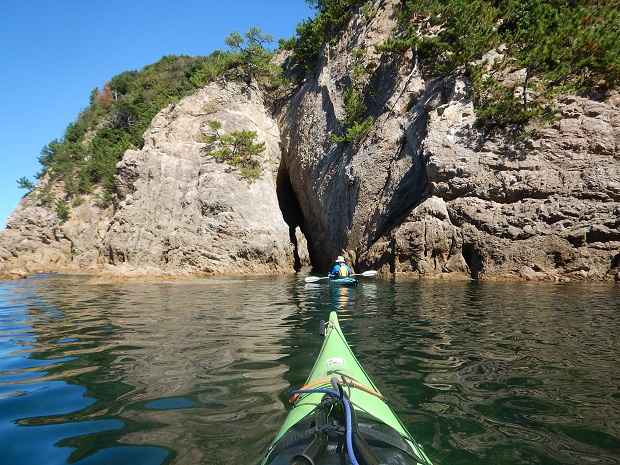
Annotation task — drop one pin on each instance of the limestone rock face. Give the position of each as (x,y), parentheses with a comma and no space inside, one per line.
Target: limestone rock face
(423,193)
(178,211)
(547,209)
(181,210)
(37,240)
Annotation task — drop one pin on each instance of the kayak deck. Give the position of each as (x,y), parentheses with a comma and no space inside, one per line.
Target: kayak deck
(340,414)
(346,281)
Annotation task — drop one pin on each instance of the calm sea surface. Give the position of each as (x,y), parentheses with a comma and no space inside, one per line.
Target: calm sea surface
(199,372)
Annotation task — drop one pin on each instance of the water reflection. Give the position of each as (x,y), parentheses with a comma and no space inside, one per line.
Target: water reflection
(509,364)
(200,372)
(53,378)
(342,296)
(153,366)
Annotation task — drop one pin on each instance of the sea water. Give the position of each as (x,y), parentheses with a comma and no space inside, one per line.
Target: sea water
(199,372)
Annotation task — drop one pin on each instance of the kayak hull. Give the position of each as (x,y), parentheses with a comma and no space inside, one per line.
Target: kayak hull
(319,427)
(346,281)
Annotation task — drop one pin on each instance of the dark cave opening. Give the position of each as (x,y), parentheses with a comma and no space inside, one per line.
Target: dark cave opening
(473,260)
(292,214)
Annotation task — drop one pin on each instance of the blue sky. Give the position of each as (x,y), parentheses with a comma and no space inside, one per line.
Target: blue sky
(54,53)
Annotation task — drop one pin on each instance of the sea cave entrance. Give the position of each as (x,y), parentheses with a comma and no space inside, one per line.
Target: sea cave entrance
(293,216)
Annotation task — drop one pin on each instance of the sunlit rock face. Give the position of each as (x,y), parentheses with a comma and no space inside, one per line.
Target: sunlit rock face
(181,209)
(178,210)
(422,193)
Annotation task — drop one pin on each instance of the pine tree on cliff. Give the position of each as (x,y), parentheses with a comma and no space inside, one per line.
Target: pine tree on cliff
(251,47)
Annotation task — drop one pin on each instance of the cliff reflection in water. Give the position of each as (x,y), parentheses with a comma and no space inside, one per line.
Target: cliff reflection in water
(163,366)
(502,372)
(200,372)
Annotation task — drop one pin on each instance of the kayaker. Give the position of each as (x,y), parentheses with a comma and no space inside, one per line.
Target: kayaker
(341,269)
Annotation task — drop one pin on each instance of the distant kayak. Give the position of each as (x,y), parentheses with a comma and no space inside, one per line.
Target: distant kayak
(345,281)
(340,417)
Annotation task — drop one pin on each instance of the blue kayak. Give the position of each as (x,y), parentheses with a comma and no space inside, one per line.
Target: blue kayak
(345,281)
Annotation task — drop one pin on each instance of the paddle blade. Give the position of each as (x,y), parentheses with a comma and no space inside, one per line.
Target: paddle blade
(369,273)
(313,279)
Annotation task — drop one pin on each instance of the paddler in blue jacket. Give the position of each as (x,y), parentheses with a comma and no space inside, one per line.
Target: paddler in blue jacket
(340,269)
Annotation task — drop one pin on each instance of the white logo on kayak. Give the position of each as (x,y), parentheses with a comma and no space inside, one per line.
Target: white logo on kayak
(334,361)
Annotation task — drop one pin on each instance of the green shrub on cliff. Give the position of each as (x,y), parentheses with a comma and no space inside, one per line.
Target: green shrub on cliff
(119,113)
(237,149)
(331,18)
(62,209)
(355,122)
(25,183)
(250,47)
(563,46)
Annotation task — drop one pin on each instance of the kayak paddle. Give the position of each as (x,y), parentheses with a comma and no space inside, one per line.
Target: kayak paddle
(367,274)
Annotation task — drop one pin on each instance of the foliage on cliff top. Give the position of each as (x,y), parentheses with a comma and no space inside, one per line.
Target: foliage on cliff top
(332,16)
(564,46)
(119,114)
(122,110)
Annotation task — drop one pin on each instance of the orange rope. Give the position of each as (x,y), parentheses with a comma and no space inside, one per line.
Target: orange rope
(350,383)
(308,386)
(368,390)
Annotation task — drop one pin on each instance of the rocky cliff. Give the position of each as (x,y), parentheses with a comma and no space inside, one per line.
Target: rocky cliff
(178,210)
(423,193)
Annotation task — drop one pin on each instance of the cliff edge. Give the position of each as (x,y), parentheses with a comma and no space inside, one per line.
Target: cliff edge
(178,211)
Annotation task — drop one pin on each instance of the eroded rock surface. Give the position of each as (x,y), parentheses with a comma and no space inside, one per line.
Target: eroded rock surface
(423,193)
(178,211)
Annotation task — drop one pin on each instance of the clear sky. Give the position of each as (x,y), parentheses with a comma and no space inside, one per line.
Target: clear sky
(55,52)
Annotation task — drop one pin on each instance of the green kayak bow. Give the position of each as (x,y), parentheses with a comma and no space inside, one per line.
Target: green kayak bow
(339,416)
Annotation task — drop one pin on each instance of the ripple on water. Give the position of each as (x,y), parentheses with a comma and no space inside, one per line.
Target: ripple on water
(189,373)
